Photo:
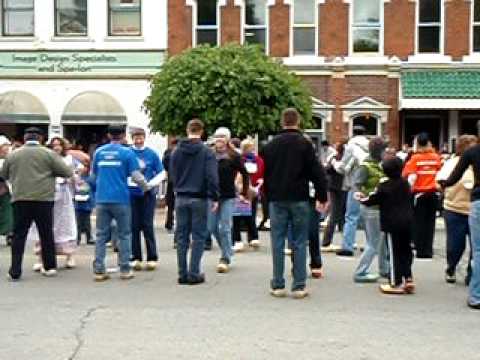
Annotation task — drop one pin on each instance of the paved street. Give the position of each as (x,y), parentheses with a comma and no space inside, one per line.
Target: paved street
(232,316)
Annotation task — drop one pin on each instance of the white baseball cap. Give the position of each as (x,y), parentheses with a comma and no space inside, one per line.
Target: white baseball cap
(222,132)
(4,140)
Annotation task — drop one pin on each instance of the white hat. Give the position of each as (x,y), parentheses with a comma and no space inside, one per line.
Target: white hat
(222,132)
(4,140)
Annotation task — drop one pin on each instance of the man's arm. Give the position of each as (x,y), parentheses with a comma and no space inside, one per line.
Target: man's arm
(317,175)
(212,176)
(245,177)
(360,177)
(456,175)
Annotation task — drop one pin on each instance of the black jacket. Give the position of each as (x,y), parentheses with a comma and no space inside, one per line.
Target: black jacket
(396,204)
(227,172)
(194,171)
(290,163)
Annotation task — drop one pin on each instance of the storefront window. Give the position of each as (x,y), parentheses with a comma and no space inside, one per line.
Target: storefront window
(256,22)
(304,27)
(71,17)
(366,26)
(369,122)
(429,26)
(207,22)
(17,18)
(125,18)
(476,26)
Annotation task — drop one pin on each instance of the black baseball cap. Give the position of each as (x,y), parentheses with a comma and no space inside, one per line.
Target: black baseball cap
(116,130)
(33,130)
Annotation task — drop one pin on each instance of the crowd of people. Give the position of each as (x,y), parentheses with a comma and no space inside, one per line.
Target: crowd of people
(48,194)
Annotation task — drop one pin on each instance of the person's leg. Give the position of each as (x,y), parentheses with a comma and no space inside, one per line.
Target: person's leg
(457,231)
(407,255)
(43,217)
(299,213)
(199,209)
(314,238)
(170,199)
(104,221)
(22,220)
(279,219)
(236,230)
(147,226)
(252,222)
(419,214)
(342,209)
(137,206)
(80,224)
(351,221)
(396,249)
(122,215)
(212,221)
(474,221)
(431,216)
(332,219)
(88,227)
(225,229)
(182,234)
(373,236)
(383,259)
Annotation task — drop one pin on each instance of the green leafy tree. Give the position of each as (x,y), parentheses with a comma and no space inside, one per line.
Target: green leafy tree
(234,86)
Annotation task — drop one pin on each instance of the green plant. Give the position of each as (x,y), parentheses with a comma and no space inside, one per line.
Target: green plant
(234,86)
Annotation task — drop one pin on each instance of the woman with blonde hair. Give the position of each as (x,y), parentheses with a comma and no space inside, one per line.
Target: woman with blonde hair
(456,206)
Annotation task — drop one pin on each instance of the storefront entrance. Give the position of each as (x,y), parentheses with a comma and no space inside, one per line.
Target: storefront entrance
(86,137)
(434,123)
(16,131)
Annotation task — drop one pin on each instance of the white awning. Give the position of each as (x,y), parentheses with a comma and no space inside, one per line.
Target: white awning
(21,107)
(440,104)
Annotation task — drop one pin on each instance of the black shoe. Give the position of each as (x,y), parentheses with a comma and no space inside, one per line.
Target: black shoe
(450,277)
(196,279)
(343,252)
(90,242)
(207,247)
(473,306)
(468,278)
(9,240)
(183,281)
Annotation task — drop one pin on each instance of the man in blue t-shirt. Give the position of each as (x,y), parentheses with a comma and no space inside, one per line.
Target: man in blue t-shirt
(143,203)
(113,164)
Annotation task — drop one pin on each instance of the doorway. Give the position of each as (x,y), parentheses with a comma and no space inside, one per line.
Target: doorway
(16,131)
(432,123)
(86,137)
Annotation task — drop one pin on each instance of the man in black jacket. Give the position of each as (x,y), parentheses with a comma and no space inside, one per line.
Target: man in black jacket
(290,164)
(194,175)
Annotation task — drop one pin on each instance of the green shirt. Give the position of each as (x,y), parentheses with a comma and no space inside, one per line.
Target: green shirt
(31,170)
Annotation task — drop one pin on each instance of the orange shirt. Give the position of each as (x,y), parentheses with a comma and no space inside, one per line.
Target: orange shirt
(425,166)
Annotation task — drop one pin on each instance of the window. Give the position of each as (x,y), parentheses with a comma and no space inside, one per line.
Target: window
(366,26)
(476,26)
(125,18)
(429,26)
(304,27)
(207,22)
(256,22)
(369,122)
(17,18)
(71,17)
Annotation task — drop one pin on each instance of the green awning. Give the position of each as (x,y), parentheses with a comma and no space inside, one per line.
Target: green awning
(441,84)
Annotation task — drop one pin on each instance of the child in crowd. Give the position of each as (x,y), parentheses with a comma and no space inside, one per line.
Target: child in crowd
(84,204)
(394,197)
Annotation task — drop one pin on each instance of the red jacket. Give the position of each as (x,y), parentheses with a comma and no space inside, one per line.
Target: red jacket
(425,166)
(254,178)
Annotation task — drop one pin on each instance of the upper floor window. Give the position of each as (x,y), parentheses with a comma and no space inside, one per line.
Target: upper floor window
(207,22)
(429,26)
(476,26)
(71,17)
(125,18)
(304,27)
(256,22)
(366,27)
(17,18)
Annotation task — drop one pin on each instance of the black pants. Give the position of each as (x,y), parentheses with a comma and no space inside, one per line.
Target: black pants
(425,211)
(26,212)
(265,210)
(338,201)
(170,200)
(143,210)
(248,222)
(84,225)
(401,256)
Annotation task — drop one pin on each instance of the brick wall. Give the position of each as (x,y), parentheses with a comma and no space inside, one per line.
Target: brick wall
(279,35)
(333,28)
(179,26)
(399,30)
(457,28)
(230,23)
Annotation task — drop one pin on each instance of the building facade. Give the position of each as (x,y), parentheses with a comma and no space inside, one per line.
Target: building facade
(398,67)
(73,67)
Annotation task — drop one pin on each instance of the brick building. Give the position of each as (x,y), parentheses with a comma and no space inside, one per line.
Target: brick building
(397,66)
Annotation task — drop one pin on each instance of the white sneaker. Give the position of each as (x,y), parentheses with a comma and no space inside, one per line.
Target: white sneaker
(37,267)
(49,273)
(127,275)
(136,265)
(222,267)
(255,244)
(279,293)
(299,294)
(287,251)
(70,264)
(151,265)
(239,246)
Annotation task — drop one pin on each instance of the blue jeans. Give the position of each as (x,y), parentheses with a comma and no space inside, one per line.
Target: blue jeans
(281,214)
(474,221)
(376,244)
(143,211)
(220,225)
(352,217)
(191,219)
(121,214)
(457,232)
